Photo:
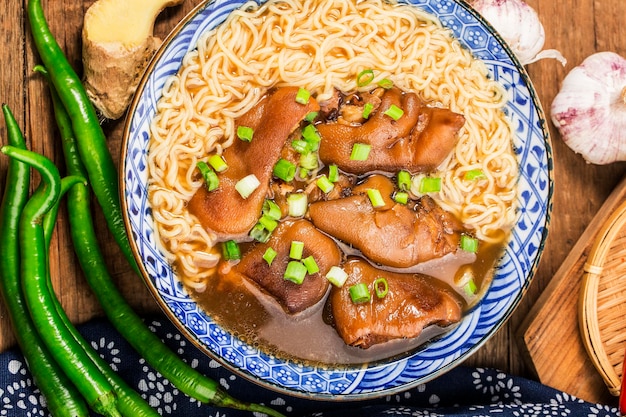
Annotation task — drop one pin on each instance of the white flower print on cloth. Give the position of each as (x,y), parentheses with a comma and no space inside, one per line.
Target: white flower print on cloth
(500,386)
(21,397)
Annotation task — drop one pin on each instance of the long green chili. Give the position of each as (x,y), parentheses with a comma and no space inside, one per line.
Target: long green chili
(118,311)
(90,137)
(70,356)
(62,397)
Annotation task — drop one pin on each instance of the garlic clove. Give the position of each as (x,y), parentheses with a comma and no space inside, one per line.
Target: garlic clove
(519,26)
(590,108)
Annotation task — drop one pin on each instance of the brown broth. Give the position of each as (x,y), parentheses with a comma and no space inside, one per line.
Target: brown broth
(244,310)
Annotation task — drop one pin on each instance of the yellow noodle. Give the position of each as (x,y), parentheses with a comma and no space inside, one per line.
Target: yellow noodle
(322,45)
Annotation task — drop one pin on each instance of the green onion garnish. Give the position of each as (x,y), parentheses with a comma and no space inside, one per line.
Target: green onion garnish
(381,287)
(333,173)
(297,204)
(210,177)
(394,112)
(310,116)
(376,198)
(245,133)
(470,288)
(303,173)
(367,110)
(404,180)
(324,184)
(271,209)
(295,272)
(296,249)
(336,276)
(230,250)
(309,160)
(303,96)
(260,233)
(475,174)
(218,163)
(269,255)
(311,265)
(360,151)
(301,146)
(311,135)
(284,170)
(359,293)
(401,197)
(268,223)
(430,185)
(469,244)
(247,185)
(385,83)
(364,77)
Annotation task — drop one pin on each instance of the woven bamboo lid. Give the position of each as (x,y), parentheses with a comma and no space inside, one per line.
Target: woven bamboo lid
(602,305)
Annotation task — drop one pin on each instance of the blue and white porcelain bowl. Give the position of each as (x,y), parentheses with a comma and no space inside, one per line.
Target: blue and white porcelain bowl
(514,271)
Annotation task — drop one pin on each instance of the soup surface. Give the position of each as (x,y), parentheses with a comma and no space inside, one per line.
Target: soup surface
(344,54)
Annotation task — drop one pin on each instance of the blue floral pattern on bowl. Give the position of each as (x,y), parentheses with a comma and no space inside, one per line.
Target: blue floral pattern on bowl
(514,271)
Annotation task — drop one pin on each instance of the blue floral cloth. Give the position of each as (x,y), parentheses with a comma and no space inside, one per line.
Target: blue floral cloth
(461,392)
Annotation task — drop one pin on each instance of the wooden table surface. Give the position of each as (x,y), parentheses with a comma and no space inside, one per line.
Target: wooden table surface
(577,28)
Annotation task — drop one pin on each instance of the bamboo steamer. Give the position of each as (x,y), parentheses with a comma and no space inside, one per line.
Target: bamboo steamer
(602,304)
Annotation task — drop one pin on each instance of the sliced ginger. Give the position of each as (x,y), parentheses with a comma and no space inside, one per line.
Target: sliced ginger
(118,44)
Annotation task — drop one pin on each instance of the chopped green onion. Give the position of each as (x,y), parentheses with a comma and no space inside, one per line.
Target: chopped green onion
(303,173)
(210,177)
(268,223)
(359,293)
(376,198)
(367,110)
(404,180)
(302,96)
(296,249)
(470,288)
(230,250)
(260,233)
(271,209)
(311,116)
(360,151)
(385,83)
(394,112)
(295,272)
(284,170)
(475,174)
(309,160)
(311,265)
(401,197)
(218,163)
(469,244)
(301,146)
(247,185)
(364,77)
(381,287)
(245,133)
(336,276)
(297,204)
(333,173)
(269,255)
(324,184)
(430,185)
(311,135)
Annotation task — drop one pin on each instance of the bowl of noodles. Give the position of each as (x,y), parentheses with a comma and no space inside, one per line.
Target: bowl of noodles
(236,74)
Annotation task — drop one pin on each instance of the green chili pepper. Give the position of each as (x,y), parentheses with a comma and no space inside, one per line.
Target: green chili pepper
(62,398)
(118,311)
(70,356)
(90,137)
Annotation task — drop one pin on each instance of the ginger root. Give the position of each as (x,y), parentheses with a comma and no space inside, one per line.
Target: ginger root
(118,44)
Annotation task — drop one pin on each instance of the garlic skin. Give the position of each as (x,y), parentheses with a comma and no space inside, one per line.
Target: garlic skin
(519,25)
(590,108)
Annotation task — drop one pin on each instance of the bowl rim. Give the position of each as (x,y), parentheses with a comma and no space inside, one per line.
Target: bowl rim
(549,172)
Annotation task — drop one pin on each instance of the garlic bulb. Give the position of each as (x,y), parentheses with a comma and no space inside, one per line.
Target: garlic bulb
(519,25)
(590,108)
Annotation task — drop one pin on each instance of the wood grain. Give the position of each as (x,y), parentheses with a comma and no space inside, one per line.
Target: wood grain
(575,27)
